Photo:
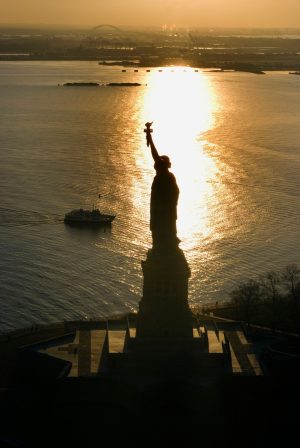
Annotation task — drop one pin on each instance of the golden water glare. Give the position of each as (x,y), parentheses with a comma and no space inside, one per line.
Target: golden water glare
(181,103)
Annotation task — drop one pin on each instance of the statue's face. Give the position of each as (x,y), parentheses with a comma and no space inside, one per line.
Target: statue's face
(165,161)
(163,164)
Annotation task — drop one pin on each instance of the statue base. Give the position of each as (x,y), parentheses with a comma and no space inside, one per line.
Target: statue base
(164,312)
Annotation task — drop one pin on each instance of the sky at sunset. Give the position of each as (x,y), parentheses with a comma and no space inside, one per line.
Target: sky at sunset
(225,13)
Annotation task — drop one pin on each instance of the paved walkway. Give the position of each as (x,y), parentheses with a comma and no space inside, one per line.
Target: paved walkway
(84,351)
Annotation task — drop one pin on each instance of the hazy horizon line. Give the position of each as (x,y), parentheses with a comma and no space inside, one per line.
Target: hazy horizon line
(174,26)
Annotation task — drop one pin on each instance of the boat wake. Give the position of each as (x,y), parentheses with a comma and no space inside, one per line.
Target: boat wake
(19,217)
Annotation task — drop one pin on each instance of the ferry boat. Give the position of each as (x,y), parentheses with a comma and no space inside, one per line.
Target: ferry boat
(94,217)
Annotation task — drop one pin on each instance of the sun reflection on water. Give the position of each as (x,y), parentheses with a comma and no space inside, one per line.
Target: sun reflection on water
(181,103)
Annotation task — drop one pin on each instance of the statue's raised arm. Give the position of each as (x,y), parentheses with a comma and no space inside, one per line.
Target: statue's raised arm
(150,143)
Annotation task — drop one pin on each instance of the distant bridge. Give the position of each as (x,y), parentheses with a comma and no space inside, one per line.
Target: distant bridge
(105,25)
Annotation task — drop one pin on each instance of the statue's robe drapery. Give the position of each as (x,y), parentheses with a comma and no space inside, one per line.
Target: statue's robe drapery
(163,209)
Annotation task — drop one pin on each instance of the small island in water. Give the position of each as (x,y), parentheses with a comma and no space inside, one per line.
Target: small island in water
(81,84)
(126,84)
(96,84)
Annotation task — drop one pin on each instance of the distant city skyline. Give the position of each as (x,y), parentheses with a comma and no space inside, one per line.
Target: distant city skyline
(217,13)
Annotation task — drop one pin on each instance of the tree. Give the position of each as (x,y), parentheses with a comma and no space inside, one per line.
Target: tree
(245,297)
(271,289)
(291,278)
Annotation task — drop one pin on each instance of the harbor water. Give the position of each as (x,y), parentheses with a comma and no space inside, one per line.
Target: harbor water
(234,143)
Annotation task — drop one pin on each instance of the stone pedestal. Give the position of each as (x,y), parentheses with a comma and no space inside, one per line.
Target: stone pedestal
(163,310)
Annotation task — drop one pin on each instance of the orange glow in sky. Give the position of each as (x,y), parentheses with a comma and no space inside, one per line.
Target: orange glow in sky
(225,13)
